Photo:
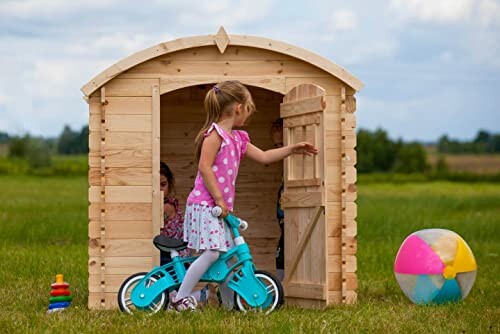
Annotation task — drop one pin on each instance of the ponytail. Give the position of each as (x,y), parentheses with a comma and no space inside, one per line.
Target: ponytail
(213,110)
(217,100)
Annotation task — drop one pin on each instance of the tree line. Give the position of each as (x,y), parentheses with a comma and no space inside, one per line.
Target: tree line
(376,152)
(483,143)
(38,151)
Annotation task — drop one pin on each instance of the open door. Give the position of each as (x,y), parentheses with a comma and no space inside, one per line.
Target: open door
(305,282)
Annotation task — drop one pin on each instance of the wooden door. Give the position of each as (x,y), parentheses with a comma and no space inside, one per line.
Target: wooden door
(305,280)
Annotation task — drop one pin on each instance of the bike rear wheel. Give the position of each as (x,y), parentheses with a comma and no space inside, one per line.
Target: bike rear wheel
(125,302)
(274,290)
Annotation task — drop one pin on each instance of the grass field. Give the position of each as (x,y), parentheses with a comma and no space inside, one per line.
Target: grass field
(43,231)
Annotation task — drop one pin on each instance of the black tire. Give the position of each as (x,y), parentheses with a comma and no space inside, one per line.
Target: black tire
(124,301)
(270,281)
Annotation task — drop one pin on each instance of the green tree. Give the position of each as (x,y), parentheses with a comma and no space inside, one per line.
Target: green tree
(18,147)
(66,140)
(38,153)
(73,142)
(375,151)
(82,141)
(411,158)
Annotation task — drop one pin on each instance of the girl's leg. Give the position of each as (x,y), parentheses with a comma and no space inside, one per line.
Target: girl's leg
(195,271)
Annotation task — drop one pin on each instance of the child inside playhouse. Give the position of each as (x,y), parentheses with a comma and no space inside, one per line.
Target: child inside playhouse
(277,138)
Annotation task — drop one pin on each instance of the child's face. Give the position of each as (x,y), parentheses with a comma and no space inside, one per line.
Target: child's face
(277,137)
(164,185)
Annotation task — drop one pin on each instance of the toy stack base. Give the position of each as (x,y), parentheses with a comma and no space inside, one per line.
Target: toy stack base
(60,295)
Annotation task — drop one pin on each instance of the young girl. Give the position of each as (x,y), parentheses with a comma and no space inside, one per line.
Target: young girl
(173,219)
(219,150)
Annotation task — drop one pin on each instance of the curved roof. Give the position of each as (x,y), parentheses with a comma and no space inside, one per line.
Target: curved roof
(221,40)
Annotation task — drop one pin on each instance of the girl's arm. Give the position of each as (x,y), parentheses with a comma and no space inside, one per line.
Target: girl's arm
(274,155)
(169,210)
(209,149)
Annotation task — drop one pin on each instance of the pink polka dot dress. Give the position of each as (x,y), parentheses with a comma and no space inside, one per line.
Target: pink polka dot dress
(202,230)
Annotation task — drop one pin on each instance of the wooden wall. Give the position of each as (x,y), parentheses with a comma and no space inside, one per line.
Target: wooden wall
(121,187)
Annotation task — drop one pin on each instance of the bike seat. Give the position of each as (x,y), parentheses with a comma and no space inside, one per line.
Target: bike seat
(169,244)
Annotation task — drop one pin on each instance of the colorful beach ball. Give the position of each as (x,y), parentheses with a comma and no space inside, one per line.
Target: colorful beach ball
(435,266)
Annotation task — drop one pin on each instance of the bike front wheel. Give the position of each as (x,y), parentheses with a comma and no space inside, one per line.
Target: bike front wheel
(274,291)
(124,299)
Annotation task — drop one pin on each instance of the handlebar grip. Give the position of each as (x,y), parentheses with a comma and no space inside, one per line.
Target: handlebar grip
(216,211)
(243,225)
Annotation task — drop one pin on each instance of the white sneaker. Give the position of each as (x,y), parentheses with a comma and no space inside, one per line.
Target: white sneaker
(188,303)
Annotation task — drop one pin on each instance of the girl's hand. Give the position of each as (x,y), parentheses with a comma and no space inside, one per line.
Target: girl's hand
(304,148)
(223,206)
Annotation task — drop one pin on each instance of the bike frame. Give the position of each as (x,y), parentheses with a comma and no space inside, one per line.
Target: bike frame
(237,261)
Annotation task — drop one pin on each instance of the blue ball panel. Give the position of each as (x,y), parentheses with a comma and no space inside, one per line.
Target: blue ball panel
(450,292)
(425,290)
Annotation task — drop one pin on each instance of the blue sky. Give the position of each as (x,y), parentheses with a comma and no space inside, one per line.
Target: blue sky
(430,67)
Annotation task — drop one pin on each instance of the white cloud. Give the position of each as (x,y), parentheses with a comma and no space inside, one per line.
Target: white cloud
(4,99)
(440,11)
(230,15)
(36,8)
(116,43)
(489,13)
(344,20)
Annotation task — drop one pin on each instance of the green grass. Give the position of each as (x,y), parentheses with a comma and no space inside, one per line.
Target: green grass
(59,166)
(43,231)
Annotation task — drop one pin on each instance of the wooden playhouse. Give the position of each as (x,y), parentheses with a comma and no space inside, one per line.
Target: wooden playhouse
(149,107)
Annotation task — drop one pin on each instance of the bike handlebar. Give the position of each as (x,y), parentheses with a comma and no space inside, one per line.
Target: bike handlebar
(230,219)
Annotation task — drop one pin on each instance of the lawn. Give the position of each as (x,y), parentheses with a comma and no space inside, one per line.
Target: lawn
(43,231)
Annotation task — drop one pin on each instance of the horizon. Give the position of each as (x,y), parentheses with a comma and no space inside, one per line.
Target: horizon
(429,68)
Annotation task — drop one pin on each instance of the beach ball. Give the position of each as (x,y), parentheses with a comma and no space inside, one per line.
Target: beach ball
(435,266)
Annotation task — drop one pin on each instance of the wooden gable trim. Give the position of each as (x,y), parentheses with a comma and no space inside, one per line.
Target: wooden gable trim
(208,40)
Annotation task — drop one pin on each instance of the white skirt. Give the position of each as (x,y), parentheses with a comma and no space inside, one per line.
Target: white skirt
(204,231)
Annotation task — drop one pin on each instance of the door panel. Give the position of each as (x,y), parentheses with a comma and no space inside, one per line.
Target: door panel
(303,197)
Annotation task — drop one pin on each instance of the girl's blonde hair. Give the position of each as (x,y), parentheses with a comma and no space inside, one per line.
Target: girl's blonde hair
(218,99)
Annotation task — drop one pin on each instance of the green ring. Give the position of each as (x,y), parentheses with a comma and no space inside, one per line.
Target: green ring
(60,299)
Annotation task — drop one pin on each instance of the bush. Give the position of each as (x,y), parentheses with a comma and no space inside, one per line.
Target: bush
(442,166)
(38,154)
(411,158)
(18,147)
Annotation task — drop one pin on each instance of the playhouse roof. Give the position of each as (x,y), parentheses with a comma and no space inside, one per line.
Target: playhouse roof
(221,40)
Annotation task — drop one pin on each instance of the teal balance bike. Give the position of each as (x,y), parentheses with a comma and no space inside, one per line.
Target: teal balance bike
(254,290)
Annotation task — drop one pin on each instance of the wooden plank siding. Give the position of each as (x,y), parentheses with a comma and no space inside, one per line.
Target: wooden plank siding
(120,192)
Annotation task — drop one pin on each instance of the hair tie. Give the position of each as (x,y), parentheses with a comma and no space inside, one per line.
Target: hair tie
(216,89)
